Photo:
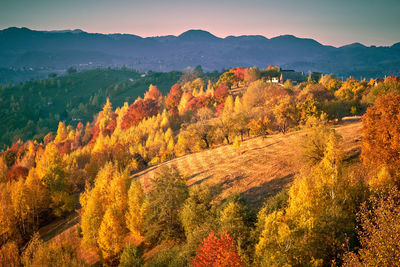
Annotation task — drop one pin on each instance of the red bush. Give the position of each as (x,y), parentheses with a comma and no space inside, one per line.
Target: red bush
(217,251)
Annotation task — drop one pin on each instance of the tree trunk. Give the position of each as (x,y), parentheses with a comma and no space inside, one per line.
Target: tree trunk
(206,141)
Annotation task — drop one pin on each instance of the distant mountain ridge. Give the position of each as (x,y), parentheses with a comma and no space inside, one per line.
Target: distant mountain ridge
(57,50)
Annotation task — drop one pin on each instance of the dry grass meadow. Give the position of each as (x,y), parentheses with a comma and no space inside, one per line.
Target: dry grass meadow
(259,169)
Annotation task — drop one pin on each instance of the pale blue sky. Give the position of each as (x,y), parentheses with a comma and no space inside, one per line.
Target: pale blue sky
(335,22)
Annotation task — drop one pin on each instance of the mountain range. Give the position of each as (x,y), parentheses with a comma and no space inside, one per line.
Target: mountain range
(25,49)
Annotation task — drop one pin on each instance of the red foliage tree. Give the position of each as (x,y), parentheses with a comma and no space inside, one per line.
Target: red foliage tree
(220,108)
(173,98)
(64,148)
(139,110)
(79,126)
(217,251)
(197,103)
(17,172)
(221,93)
(238,73)
(94,133)
(392,79)
(77,143)
(48,138)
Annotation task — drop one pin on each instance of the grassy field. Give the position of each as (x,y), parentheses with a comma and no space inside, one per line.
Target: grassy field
(259,169)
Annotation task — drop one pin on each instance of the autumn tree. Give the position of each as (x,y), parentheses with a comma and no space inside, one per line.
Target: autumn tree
(136,210)
(226,122)
(217,251)
(8,227)
(62,133)
(389,85)
(381,132)
(166,198)
(221,93)
(93,212)
(139,110)
(153,93)
(112,232)
(227,78)
(197,103)
(201,126)
(255,95)
(131,257)
(9,255)
(29,200)
(286,114)
(318,219)
(3,170)
(236,218)
(251,74)
(379,232)
(106,121)
(56,252)
(313,145)
(51,169)
(173,98)
(198,214)
(108,196)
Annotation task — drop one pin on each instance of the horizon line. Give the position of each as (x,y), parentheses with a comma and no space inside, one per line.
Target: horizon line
(155,36)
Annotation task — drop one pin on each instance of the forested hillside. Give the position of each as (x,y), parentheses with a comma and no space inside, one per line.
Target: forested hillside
(333,199)
(32,109)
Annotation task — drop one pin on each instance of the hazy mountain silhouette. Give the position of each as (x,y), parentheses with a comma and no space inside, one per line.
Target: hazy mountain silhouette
(25,48)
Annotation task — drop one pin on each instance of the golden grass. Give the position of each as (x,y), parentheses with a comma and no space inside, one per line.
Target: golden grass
(259,169)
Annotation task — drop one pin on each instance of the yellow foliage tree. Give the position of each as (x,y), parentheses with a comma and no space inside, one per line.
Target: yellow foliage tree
(136,210)
(112,232)
(319,218)
(62,133)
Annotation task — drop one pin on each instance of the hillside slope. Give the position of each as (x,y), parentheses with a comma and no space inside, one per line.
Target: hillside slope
(32,109)
(261,169)
(258,170)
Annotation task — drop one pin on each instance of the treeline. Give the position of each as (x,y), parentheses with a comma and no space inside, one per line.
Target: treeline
(326,217)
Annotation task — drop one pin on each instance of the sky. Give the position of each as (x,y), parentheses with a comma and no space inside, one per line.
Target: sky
(330,22)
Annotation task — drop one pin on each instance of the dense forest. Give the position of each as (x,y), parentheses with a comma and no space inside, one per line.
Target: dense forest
(339,210)
(32,109)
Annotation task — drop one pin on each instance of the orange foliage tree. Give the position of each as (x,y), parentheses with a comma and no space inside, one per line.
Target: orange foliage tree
(153,93)
(381,132)
(217,251)
(379,233)
(173,98)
